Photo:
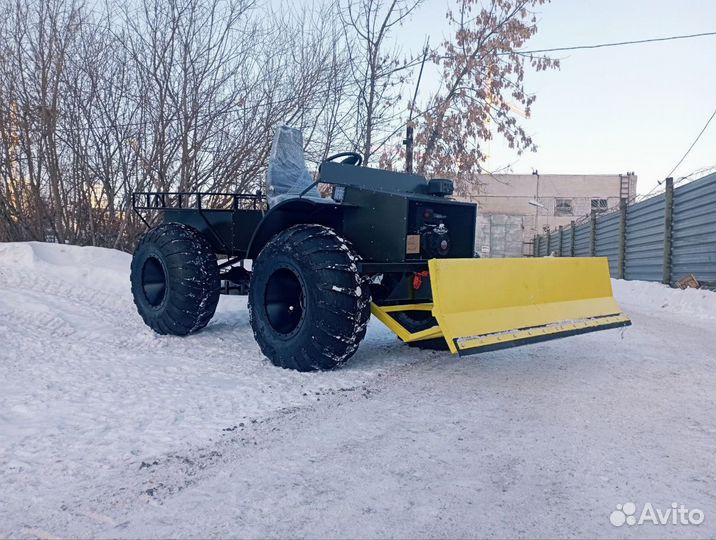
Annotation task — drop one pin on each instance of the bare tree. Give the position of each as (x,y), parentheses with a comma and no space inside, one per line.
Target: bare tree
(38,37)
(98,103)
(176,95)
(377,70)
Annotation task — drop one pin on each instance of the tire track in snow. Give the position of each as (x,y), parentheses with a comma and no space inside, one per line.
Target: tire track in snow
(92,394)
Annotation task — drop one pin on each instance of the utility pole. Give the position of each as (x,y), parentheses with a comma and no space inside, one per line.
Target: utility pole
(408,141)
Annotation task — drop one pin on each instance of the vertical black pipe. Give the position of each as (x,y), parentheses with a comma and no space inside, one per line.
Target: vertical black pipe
(668,229)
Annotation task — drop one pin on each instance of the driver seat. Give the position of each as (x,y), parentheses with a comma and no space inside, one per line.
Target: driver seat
(287,175)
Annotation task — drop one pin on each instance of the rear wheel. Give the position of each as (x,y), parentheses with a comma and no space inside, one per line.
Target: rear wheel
(175,279)
(309,306)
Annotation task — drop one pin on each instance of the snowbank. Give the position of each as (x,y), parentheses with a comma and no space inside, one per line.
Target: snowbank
(659,298)
(72,262)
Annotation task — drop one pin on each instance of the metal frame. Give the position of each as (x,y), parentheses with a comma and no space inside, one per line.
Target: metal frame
(382,313)
(158,200)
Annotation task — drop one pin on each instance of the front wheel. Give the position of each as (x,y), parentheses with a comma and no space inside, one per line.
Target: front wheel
(175,279)
(308,305)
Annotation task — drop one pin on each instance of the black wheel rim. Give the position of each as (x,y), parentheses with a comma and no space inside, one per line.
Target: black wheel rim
(154,281)
(284,301)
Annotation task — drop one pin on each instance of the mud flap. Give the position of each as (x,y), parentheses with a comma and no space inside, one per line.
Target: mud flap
(487,304)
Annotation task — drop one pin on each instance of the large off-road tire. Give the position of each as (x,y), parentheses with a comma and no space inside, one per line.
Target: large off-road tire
(308,305)
(175,279)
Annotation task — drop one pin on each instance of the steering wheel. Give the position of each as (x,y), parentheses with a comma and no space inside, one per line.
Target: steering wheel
(350,158)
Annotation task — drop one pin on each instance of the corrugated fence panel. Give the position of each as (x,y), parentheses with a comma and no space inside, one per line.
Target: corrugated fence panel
(693,241)
(608,240)
(542,246)
(566,242)
(645,240)
(581,240)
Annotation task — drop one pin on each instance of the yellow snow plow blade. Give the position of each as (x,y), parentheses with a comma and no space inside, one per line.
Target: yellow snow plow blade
(485,304)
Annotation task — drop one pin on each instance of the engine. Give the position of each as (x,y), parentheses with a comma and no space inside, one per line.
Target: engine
(434,237)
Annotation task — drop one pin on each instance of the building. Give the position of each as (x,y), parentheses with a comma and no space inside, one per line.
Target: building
(513,208)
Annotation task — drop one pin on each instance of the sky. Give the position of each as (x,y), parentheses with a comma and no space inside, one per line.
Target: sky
(611,110)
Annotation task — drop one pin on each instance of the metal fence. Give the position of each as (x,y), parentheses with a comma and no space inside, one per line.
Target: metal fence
(664,238)
(582,237)
(645,240)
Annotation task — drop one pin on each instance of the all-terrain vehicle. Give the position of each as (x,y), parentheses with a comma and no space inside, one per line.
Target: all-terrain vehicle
(390,243)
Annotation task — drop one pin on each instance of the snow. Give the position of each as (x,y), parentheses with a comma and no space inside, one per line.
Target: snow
(87,388)
(698,303)
(109,430)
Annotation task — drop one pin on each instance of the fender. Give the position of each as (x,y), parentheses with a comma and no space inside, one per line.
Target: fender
(292,212)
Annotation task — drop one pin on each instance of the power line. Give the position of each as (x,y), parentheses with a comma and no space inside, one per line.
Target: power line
(617,44)
(660,182)
(692,144)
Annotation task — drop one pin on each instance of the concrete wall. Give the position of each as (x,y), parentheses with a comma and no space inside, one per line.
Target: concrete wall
(499,235)
(507,196)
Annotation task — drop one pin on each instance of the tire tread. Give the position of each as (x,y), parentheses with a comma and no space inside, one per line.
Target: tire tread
(192,275)
(343,307)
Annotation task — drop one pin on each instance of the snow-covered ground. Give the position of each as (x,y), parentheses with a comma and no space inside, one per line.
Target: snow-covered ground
(109,430)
